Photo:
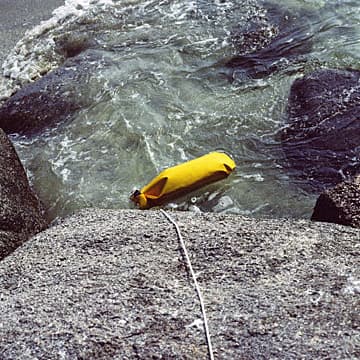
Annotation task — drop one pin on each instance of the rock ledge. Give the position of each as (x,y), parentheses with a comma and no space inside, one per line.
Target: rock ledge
(113,284)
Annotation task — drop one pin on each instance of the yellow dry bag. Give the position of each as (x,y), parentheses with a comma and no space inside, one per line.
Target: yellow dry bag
(183,178)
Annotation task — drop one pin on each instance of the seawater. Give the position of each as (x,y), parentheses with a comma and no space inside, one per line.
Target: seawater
(165,97)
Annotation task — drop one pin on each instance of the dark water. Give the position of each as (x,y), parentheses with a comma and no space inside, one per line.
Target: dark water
(179,79)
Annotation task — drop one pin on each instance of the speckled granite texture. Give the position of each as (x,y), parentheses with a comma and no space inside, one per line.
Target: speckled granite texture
(114,285)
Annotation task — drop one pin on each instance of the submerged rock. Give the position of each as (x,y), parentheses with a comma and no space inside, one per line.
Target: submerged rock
(339,205)
(53,98)
(115,285)
(20,211)
(322,136)
(275,42)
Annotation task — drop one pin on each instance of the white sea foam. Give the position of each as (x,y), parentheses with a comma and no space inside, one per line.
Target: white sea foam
(256,177)
(40,50)
(36,53)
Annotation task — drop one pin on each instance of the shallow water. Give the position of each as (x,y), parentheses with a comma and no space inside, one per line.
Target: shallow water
(165,95)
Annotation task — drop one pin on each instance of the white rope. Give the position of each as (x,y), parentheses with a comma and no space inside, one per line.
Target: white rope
(206,327)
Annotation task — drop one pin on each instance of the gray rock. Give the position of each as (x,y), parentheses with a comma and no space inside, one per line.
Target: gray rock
(114,285)
(321,140)
(339,205)
(17,16)
(20,210)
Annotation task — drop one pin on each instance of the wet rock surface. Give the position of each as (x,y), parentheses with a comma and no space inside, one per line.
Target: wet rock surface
(53,98)
(20,210)
(107,284)
(340,205)
(321,140)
